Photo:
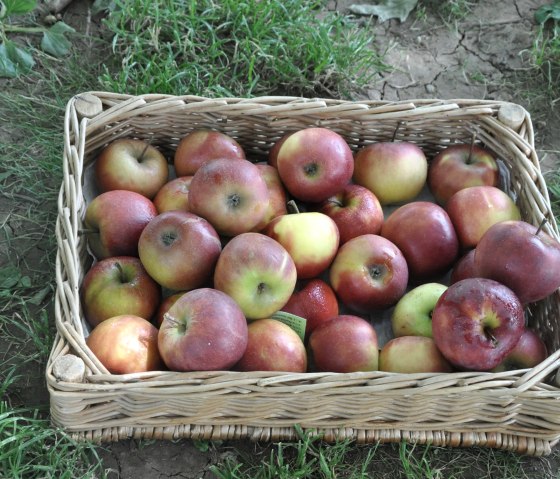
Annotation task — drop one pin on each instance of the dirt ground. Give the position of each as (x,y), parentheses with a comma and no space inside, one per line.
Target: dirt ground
(484,56)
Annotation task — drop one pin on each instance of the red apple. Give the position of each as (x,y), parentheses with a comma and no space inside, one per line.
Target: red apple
(425,235)
(412,354)
(273,152)
(314,164)
(134,165)
(126,344)
(273,346)
(116,286)
(344,344)
(200,146)
(204,330)
(464,268)
(369,273)
(179,250)
(526,261)
(311,239)
(458,167)
(355,210)
(276,195)
(529,351)
(315,301)
(257,272)
(232,195)
(174,195)
(474,209)
(164,306)
(394,171)
(114,221)
(476,323)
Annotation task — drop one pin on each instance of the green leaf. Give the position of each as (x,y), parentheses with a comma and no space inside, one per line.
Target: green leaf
(19,7)
(547,12)
(386,9)
(102,6)
(54,41)
(14,60)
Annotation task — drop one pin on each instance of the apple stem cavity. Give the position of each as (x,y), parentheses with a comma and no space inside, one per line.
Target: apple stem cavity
(376,271)
(261,288)
(168,238)
(234,200)
(122,276)
(491,337)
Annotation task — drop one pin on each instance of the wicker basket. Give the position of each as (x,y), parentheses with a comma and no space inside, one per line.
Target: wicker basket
(515,410)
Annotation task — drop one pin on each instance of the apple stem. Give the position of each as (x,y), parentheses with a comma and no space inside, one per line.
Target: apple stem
(543,222)
(473,139)
(399,123)
(141,157)
(121,272)
(292,207)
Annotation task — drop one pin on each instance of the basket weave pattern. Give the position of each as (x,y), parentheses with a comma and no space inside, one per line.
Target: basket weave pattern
(514,410)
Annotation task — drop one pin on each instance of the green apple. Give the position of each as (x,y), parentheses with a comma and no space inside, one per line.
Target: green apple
(412,315)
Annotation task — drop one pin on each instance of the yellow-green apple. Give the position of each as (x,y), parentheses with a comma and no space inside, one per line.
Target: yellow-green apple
(355,210)
(232,195)
(311,238)
(126,344)
(412,354)
(529,351)
(314,164)
(179,250)
(118,285)
(277,199)
(345,344)
(202,145)
(474,209)
(129,164)
(394,171)
(174,195)
(412,315)
(257,272)
(464,268)
(523,257)
(424,233)
(273,346)
(460,166)
(164,306)
(476,323)
(313,300)
(114,221)
(369,273)
(204,330)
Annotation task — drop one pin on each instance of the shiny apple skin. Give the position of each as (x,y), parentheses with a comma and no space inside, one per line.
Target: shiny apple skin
(174,195)
(529,351)
(277,197)
(464,268)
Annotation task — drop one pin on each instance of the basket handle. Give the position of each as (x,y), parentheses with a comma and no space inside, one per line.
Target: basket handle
(538,373)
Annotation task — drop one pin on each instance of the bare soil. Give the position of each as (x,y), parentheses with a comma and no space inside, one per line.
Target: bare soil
(484,56)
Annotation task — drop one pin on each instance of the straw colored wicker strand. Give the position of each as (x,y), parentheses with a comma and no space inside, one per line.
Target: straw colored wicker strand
(514,410)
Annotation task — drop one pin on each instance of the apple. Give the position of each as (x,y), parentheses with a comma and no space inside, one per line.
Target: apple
(257,272)
(204,330)
(311,238)
(313,300)
(464,268)
(412,315)
(476,323)
(114,221)
(412,354)
(345,344)
(474,209)
(529,351)
(314,164)
(202,145)
(424,233)
(232,195)
(458,167)
(164,306)
(174,195)
(394,171)
(273,346)
(129,164)
(355,210)
(179,250)
(369,273)
(273,152)
(118,285)
(523,257)
(126,344)
(277,199)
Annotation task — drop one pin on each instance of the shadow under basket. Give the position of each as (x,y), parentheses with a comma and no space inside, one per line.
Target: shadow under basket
(514,410)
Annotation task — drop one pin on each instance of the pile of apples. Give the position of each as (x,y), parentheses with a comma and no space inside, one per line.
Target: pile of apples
(214,262)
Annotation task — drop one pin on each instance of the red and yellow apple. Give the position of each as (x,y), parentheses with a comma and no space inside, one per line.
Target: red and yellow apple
(174,195)
(277,198)
(412,354)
